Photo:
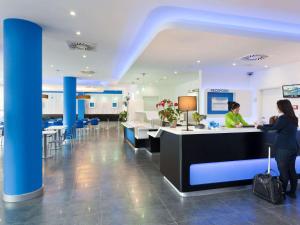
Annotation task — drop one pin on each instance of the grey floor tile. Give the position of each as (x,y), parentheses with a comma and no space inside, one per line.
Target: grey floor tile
(103,181)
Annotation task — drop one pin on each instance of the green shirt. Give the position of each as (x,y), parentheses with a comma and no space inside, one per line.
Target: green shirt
(232,119)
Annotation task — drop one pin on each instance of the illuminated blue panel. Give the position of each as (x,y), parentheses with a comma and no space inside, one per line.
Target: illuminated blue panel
(129,134)
(207,173)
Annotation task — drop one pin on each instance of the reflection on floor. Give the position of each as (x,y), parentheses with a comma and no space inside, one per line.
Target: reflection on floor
(103,181)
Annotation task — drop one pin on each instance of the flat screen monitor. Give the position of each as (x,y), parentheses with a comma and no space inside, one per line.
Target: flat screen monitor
(291,91)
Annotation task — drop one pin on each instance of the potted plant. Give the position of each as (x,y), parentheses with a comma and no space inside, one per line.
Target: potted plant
(168,112)
(198,118)
(123,116)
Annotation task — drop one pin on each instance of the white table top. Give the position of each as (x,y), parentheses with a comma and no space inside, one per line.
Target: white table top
(45,132)
(181,130)
(56,127)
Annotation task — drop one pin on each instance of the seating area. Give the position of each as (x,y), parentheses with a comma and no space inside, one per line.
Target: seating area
(55,134)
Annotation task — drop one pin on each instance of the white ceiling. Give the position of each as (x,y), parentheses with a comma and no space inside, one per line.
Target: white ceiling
(115,26)
(180,49)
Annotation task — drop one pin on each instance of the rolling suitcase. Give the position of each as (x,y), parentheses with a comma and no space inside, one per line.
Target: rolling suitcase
(267,186)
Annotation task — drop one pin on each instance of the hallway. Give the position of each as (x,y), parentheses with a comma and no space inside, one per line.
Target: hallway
(103,181)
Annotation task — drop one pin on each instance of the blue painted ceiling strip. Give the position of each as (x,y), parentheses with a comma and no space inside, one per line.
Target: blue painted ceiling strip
(105,92)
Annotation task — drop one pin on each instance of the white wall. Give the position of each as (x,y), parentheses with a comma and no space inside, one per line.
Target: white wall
(225,80)
(170,91)
(268,83)
(235,82)
(54,104)
(103,104)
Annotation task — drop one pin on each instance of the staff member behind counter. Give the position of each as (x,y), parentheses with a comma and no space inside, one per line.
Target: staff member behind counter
(233,119)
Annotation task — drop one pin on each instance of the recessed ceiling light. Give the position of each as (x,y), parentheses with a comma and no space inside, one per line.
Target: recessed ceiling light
(78,33)
(84,56)
(51,65)
(72,13)
(87,67)
(234,64)
(266,66)
(198,61)
(175,72)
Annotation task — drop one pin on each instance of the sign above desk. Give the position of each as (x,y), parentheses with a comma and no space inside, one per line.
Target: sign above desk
(219,90)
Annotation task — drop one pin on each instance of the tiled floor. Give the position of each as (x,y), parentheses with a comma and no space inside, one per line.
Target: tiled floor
(103,181)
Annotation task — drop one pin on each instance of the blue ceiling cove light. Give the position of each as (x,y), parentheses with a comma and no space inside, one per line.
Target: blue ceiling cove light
(168,17)
(231,171)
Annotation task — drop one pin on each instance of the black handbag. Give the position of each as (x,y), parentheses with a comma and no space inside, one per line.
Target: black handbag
(267,186)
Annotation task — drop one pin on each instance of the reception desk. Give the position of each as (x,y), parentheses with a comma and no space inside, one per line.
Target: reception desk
(208,159)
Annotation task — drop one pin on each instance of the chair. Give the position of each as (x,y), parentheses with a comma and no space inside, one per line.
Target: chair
(65,138)
(59,122)
(79,127)
(95,123)
(85,125)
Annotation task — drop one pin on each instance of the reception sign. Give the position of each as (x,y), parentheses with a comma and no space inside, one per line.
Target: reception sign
(217,102)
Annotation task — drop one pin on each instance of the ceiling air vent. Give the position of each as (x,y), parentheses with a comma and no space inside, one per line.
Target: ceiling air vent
(84,46)
(254,57)
(87,72)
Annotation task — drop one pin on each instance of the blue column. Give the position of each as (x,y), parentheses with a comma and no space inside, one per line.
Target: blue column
(69,103)
(81,107)
(22,163)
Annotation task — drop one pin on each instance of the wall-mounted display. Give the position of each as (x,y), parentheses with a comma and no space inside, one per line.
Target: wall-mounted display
(114,104)
(92,105)
(291,91)
(217,102)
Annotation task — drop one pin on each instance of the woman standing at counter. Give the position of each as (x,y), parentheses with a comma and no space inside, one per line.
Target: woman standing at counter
(233,118)
(286,145)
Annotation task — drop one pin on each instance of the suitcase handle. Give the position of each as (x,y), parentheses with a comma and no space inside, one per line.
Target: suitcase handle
(269,159)
(275,173)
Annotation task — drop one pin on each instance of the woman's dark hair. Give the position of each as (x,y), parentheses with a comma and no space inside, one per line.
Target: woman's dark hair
(285,106)
(233,106)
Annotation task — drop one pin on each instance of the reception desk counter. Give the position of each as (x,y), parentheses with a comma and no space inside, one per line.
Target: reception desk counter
(207,159)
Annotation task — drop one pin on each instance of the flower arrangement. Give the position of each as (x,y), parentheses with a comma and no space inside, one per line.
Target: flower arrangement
(168,111)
